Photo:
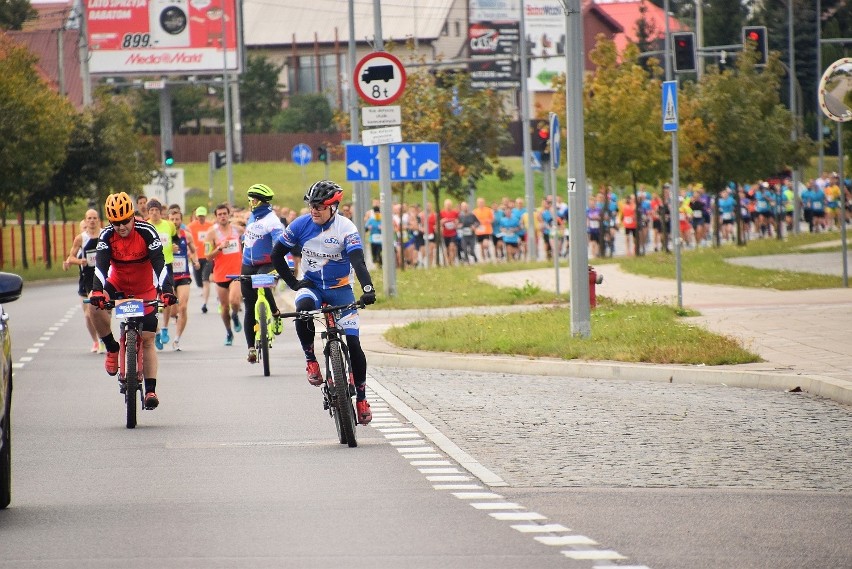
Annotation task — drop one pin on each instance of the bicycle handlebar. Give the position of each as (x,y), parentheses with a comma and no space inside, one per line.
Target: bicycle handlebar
(305,314)
(110,304)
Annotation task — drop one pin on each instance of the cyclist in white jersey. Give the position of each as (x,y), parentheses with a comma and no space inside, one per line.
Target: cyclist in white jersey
(331,249)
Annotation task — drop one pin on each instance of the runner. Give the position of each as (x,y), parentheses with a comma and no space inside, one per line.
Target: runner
(198,228)
(82,254)
(185,254)
(224,241)
(168,235)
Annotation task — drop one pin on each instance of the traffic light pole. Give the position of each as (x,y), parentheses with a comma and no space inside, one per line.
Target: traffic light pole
(675,191)
(529,189)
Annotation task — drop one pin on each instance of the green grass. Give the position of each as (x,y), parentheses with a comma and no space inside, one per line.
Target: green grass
(620,332)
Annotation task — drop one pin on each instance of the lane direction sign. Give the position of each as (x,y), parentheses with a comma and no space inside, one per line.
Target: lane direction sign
(410,162)
(669,106)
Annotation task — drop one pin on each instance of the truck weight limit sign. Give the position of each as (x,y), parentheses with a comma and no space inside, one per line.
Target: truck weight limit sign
(379,78)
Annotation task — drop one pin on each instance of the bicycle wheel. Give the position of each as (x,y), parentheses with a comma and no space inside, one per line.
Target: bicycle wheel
(263,334)
(344,411)
(131,376)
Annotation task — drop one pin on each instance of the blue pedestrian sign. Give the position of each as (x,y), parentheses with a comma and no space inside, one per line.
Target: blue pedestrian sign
(555,141)
(410,162)
(670,106)
(302,154)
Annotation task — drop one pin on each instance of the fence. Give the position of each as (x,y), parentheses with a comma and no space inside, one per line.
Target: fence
(61,237)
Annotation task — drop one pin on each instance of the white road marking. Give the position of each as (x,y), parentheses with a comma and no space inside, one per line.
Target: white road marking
(457,487)
(430,463)
(442,478)
(540,528)
(517,516)
(496,506)
(448,470)
(593,554)
(566,540)
(477,495)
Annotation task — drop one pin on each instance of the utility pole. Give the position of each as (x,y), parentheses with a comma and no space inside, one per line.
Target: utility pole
(791,49)
(529,189)
(675,206)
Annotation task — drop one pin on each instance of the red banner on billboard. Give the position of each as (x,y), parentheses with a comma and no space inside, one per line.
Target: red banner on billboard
(144,37)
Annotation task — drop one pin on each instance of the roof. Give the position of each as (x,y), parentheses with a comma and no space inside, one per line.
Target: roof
(278,22)
(626,13)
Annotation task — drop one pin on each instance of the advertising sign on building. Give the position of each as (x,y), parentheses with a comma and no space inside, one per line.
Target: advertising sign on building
(138,37)
(494,34)
(546,38)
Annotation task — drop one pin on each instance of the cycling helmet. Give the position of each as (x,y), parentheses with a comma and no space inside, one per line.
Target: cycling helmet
(261,192)
(324,192)
(119,207)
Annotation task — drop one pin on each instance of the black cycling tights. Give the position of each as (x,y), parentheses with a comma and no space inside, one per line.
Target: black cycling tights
(306,333)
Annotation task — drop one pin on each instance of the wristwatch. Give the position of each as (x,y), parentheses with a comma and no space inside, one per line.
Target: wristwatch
(368,288)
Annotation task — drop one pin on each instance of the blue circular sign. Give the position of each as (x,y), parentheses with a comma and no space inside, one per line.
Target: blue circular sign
(302,154)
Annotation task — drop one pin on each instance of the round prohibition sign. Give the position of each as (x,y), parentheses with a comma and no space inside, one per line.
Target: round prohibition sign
(379,78)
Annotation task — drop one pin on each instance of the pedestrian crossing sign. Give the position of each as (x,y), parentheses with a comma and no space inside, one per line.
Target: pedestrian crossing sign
(669,106)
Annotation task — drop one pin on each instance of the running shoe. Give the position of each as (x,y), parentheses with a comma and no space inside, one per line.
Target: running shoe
(151,400)
(204,309)
(101,347)
(164,336)
(94,349)
(252,356)
(237,326)
(277,325)
(364,413)
(176,345)
(111,363)
(314,374)
(158,341)
(229,338)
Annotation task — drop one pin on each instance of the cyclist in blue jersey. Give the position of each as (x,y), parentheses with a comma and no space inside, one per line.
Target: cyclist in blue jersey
(262,228)
(331,249)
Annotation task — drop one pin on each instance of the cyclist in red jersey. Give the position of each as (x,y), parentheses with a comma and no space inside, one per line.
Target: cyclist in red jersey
(129,262)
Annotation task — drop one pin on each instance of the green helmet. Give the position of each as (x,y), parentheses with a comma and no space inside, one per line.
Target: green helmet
(261,192)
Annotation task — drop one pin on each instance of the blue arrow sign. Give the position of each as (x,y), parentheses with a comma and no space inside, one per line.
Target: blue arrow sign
(410,162)
(415,162)
(555,141)
(669,106)
(362,163)
(302,154)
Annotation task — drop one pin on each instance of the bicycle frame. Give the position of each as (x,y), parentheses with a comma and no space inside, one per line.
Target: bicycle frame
(263,334)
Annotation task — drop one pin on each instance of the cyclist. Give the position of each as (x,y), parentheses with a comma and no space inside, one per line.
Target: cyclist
(262,228)
(331,249)
(82,254)
(130,262)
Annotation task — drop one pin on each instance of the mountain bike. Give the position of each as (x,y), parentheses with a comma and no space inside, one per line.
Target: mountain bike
(129,312)
(338,388)
(263,328)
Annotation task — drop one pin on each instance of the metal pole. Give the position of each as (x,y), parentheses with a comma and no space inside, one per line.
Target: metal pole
(425,228)
(388,249)
(820,141)
(576,166)
(791,48)
(359,199)
(211,163)
(842,180)
(529,189)
(554,235)
(226,91)
(84,55)
(675,206)
(699,36)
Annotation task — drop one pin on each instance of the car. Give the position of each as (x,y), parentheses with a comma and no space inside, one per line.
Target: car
(11,286)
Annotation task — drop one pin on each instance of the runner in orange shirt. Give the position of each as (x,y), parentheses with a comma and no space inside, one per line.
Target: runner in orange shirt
(223,241)
(485,229)
(198,229)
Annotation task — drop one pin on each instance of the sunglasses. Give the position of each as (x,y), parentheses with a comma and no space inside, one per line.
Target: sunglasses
(320,207)
(120,223)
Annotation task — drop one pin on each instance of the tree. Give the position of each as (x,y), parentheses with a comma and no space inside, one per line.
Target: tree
(13,14)
(260,94)
(748,129)
(190,105)
(624,140)
(35,125)
(305,113)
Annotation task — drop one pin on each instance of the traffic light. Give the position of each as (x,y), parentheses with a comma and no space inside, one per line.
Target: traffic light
(683,44)
(168,158)
(219,159)
(322,154)
(542,140)
(756,35)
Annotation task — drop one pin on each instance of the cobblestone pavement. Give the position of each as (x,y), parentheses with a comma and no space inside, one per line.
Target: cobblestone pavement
(535,431)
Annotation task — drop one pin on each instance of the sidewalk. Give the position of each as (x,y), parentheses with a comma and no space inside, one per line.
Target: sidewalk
(802,335)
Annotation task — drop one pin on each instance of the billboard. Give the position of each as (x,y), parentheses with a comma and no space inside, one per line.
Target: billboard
(493,38)
(546,38)
(144,37)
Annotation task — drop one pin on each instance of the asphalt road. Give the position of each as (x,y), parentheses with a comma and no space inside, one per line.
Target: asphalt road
(238,470)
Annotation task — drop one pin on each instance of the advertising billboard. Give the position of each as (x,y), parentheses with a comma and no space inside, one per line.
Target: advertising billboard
(144,37)
(546,38)
(493,38)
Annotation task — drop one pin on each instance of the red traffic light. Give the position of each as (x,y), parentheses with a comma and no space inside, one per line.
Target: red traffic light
(753,36)
(544,133)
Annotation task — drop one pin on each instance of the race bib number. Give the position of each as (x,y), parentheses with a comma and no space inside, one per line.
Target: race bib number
(594,224)
(449,225)
(466,231)
(727,215)
(231,246)
(697,214)
(90,258)
(628,219)
(179,264)
(376,238)
(165,239)
(129,308)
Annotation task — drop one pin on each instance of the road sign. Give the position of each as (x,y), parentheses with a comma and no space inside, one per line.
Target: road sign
(381,116)
(384,135)
(151,85)
(410,162)
(555,138)
(302,154)
(669,106)
(415,162)
(379,78)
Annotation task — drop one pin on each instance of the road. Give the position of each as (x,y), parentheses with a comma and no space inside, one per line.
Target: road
(459,469)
